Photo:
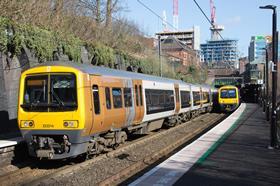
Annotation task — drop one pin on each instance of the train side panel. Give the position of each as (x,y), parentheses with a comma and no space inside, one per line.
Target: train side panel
(166,94)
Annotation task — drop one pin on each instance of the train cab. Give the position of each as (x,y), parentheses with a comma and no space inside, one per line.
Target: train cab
(228,98)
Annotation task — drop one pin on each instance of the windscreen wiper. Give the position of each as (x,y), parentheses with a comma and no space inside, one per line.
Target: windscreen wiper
(61,103)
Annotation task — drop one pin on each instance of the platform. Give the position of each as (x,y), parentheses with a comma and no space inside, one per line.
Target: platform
(10,142)
(232,153)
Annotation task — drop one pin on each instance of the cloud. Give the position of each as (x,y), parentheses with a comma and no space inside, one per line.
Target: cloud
(233,20)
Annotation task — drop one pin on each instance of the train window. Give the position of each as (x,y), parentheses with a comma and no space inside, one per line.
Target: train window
(108,98)
(196,98)
(159,100)
(63,92)
(141,96)
(228,93)
(207,98)
(36,92)
(96,102)
(185,99)
(136,95)
(58,94)
(127,97)
(117,97)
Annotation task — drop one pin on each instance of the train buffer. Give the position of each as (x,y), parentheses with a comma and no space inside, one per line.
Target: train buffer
(235,152)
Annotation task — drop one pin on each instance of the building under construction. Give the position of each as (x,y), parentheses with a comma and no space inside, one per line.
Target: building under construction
(219,52)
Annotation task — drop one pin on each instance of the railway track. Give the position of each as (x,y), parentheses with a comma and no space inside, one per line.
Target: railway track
(116,166)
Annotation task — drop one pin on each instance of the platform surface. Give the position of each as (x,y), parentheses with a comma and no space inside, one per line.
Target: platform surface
(235,152)
(10,142)
(169,171)
(242,159)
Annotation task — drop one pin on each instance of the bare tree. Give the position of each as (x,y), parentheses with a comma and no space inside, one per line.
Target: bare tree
(109,13)
(92,8)
(112,6)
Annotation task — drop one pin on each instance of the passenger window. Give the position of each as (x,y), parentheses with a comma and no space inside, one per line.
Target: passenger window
(154,105)
(108,98)
(95,93)
(136,95)
(141,101)
(127,97)
(117,97)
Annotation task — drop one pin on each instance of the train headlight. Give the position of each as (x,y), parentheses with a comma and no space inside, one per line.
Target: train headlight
(27,124)
(70,124)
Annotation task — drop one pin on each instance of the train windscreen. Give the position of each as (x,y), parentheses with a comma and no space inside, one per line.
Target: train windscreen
(228,93)
(50,92)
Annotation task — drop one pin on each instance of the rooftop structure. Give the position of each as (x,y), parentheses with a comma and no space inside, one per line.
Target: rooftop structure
(190,38)
(176,51)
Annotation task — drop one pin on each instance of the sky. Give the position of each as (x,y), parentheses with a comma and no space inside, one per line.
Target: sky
(241,18)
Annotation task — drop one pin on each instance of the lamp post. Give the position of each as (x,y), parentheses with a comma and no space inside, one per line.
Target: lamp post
(273,126)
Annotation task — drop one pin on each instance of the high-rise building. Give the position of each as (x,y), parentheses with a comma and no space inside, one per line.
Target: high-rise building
(257,47)
(220,52)
(256,53)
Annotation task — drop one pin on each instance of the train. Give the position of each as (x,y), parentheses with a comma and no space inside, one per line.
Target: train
(67,109)
(229,98)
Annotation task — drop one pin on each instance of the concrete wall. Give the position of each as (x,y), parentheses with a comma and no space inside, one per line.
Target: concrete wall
(4,117)
(10,70)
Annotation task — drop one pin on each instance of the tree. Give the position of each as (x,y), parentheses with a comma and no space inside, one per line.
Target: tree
(112,6)
(109,13)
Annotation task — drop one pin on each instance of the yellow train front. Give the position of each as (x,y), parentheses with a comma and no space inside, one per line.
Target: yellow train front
(52,111)
(228,98)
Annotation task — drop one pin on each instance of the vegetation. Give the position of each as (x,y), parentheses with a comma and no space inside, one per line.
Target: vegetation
(46,26)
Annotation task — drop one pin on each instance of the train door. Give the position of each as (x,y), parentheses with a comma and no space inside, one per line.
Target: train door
(129,103)
(138,101)
(97,104)
(177,99)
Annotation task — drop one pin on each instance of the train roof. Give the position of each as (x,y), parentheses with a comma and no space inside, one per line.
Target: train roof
(96,70)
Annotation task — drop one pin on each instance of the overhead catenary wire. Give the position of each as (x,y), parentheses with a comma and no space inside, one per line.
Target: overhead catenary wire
(153,12)
(199,7)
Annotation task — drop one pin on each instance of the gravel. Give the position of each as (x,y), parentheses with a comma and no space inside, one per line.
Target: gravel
(105,167)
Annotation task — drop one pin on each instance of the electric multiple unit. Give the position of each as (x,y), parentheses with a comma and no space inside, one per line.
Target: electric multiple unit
(228,98)
(68,109)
